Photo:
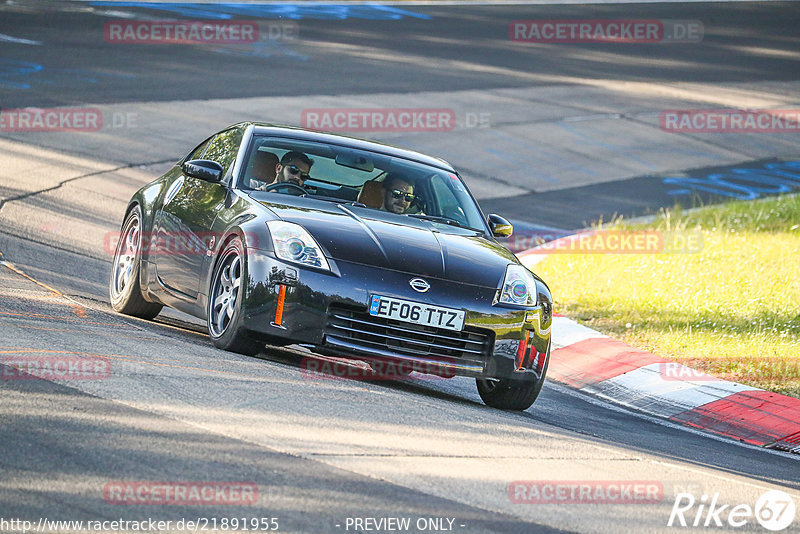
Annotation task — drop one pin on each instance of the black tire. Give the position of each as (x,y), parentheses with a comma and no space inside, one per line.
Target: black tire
(511,395)
(124,289)
(225,302)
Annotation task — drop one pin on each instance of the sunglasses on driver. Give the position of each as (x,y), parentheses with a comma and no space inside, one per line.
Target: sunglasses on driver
(409,197)
(294,169)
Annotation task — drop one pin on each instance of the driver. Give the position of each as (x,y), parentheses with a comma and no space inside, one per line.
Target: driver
(293,168)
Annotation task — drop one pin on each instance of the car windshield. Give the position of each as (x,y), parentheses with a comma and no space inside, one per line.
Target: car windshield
(368,179)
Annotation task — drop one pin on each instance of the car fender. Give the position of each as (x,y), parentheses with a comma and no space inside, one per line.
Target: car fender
(144,198)
(250,228)
(149,198)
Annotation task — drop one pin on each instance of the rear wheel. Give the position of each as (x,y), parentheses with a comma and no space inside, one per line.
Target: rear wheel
(124,290)
(511,395)
(226,300)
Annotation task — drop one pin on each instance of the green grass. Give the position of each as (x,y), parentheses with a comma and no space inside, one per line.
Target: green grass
(732,309)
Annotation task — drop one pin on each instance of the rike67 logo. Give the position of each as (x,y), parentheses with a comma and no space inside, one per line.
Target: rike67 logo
(774,511)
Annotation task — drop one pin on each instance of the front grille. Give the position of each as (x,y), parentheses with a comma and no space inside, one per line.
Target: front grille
(377,333)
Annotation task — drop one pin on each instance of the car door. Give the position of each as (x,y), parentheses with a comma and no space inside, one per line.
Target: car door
(183,229)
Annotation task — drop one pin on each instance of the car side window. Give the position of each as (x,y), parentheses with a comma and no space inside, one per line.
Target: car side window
(447,202)
(451,197)
(224,147)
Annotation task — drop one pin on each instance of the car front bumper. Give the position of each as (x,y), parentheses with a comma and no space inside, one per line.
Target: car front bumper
(329,310)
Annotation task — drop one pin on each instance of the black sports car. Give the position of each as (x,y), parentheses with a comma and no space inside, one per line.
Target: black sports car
(285,236)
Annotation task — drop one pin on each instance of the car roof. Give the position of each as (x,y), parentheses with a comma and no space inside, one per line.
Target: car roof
(264,128)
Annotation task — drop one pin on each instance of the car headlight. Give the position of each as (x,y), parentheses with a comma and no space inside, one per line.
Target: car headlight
(293,243)
(519,287)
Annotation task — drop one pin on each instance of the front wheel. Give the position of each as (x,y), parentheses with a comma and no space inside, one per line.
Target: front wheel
(226,301)
(124,290)
(511,395)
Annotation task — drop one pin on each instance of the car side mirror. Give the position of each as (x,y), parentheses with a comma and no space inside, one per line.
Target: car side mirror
(499,226)
(204,169)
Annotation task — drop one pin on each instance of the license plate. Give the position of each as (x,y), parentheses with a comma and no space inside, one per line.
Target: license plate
(414,312)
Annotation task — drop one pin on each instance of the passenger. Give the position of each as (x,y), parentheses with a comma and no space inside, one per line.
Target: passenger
(398,193)
(263,172)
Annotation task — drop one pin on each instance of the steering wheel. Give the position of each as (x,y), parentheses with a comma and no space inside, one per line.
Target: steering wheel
(289,185)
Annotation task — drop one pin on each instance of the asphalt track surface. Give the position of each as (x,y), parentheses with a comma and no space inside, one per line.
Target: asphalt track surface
(321,451)
(57,56)
(84,72)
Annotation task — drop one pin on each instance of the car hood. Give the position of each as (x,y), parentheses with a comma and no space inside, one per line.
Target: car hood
(415,246)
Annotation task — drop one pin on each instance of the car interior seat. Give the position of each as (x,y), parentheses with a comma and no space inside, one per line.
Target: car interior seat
(371,194)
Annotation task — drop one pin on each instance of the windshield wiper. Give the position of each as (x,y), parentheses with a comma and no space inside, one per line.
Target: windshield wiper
(443,220)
